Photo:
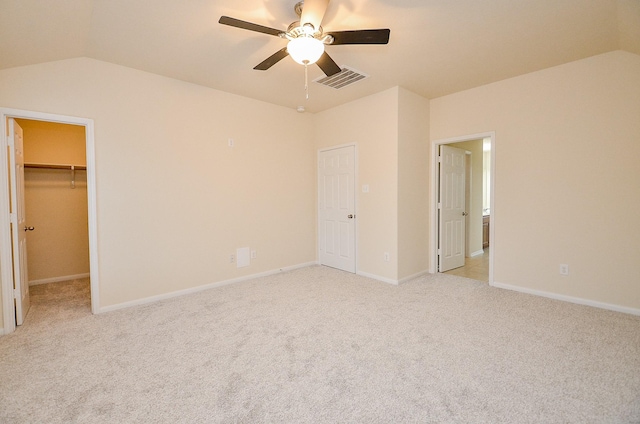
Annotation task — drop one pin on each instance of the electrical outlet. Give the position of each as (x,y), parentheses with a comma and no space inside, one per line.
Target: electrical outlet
(231,142)
(564,269)
(386,256)
(232,258)
(254,254)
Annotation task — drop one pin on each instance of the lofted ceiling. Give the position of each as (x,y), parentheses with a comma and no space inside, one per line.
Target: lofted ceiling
(437,47)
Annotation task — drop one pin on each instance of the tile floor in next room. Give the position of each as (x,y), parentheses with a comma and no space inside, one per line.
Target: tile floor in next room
(476,267)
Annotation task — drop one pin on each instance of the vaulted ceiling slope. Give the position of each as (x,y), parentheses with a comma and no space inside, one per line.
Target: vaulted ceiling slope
(437,47)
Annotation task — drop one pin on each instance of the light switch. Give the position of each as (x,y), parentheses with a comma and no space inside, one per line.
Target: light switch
(365,188)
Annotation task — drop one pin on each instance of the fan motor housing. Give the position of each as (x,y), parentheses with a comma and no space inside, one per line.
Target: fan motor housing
(296,30)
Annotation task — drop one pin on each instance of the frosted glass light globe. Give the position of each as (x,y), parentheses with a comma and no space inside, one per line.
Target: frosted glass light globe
(305,50)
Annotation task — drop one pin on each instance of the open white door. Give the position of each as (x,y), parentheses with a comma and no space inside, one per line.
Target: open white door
(451,207)
(336,208)
(18,221)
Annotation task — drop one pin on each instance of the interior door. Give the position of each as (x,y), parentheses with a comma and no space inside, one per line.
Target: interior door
(18,222)
(336,208)
(451,207)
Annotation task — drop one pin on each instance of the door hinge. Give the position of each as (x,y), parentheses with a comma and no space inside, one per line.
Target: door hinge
(13,217)
(439,205)
(439,252)
(16,294)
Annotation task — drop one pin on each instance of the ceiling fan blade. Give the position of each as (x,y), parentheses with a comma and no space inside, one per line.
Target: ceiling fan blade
(272,60)
(225,20)
(313,11)
(328,66)
(361,36)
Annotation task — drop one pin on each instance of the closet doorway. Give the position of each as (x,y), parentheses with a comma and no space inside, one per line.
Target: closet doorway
(60,204)
(55,190)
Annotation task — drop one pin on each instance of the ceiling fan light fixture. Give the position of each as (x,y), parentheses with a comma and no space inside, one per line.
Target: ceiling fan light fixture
(305,50)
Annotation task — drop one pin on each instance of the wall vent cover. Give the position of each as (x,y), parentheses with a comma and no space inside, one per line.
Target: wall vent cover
(342,79)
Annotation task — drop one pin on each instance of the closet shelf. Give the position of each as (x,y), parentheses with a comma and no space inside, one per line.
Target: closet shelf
(72,168)
(55,166)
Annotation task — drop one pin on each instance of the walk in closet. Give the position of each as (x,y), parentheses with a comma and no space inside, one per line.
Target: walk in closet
(55,201)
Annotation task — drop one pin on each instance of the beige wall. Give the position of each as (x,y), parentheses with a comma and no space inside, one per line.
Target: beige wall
(413,184)
(391,132)
(50,142)
(372,124)
(59,246)
(475,208)
(173,200)
(566,174)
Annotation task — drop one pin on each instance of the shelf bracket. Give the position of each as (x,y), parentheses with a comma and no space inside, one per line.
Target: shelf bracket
(73,176)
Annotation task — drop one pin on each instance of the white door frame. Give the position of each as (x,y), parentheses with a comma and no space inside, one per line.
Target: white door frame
(433,242)
(355,199)
(6,274)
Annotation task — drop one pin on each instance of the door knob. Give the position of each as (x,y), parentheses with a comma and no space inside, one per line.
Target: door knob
(351,216)
(464,214)
(28,228)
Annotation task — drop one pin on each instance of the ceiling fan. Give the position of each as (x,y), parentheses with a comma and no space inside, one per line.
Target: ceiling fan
(307,39)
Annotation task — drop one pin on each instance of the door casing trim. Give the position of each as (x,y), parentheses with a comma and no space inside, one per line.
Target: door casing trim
(6,273)
(433,221)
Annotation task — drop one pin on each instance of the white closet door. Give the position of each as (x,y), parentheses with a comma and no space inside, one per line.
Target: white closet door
(18,222)
(336,208)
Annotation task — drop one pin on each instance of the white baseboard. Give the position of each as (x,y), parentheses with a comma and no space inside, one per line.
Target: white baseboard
(411,277)
(390,280)
(191,290)
(378,278)
(570,299)
(476,253)
(58,279)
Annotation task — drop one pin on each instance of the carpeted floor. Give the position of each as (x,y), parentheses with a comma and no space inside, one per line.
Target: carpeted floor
(318,345)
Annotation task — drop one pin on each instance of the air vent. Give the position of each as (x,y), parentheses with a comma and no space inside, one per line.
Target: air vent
(342,79)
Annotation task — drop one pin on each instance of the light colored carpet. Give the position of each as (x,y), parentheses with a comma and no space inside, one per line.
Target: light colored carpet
(318,345)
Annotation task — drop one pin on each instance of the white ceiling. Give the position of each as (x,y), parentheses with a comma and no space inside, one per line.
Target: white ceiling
(436,47)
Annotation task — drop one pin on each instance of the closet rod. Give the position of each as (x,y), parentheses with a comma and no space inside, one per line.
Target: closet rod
(55,166)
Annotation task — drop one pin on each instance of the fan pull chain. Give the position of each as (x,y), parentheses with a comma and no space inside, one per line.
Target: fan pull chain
(306,82)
